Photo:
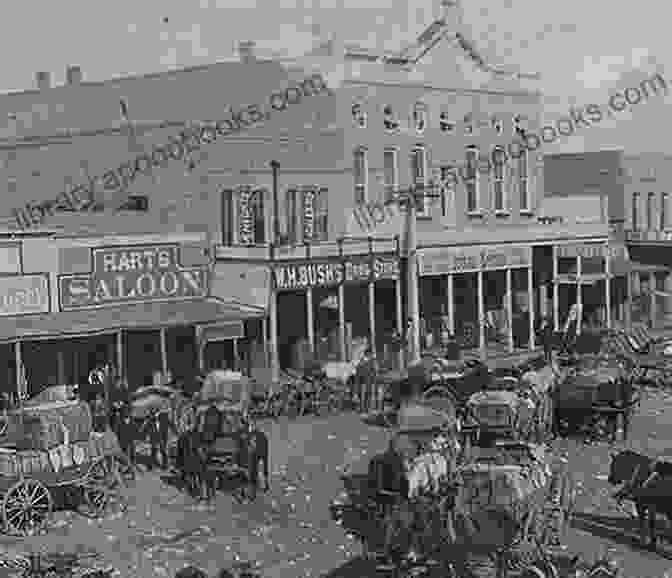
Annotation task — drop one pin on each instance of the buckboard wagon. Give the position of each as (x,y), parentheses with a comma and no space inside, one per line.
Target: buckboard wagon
(40,467)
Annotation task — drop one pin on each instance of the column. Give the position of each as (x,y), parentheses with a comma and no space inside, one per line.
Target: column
(628,301)
(21,386)
(579,294)
(607,288)
(236,364)
(451,303)
(264,337)
(400,320)
(508,304)
(120,353)
(652,292)
(273,335)
(413,307)
(530,306)
(481,313)
(341,321)
(309,320)
(372,317)
(556,291)
(164,353)
(668,297)
(60,367)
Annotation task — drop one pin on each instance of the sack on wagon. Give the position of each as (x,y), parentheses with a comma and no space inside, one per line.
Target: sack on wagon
(13,462)
(41,427)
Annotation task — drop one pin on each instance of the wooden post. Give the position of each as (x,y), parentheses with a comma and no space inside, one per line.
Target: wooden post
(273,337)
(120,354)
(164,354)
(400,320)
(509,309)
(341,321)
(451,303)
(310,320)
(530,304)
(481,314)
(19,366)
(579,295)
(556,291)
(607,287)
(236,364)
(60,367)
(372,317)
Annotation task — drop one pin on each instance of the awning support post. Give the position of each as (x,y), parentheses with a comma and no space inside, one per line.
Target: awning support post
(120,354)
(19,365)
(164,354)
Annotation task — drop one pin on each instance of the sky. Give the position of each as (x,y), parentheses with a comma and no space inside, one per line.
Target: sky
(584,49)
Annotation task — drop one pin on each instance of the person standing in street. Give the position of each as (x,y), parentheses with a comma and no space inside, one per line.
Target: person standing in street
(547,338)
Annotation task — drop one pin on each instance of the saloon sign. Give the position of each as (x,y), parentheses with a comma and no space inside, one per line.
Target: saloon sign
(133,274)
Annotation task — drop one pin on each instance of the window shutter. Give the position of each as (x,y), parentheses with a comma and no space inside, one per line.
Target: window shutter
(246,220)
(308,213)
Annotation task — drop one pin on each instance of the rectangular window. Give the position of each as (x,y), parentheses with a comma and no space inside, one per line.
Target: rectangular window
(663,211)
(360,171)
(523,182)
(635,211)
(651,211)
(448,181)
(138,203)
(419,177)
(292,215)
(228,219)
(471,179)
(321,214)
(391,172)
(498,169)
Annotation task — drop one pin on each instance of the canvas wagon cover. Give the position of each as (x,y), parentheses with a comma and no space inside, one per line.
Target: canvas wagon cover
(228,386)
(422,417)
(502,486)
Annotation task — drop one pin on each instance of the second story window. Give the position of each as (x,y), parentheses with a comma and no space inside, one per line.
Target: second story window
(358,115)
(139,203)
(251,218)
(419,176)
(635,211)
(419,117)
(471,179)
(523,180)
(390,172)
(228,217)
(360,173)
(651,211)
(321,211)
(498,180)
(664,211)
(292,211)
(445,124)
(448,182)
(390,122)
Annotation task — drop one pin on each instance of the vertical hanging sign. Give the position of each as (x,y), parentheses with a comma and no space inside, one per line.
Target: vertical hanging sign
(308,214)
(246,226)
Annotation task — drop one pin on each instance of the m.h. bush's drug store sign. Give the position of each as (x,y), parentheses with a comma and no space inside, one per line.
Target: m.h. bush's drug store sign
(133,274)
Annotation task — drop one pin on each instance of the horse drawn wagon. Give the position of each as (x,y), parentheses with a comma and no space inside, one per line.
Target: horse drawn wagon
(401,502)
(593,394)
(50,455)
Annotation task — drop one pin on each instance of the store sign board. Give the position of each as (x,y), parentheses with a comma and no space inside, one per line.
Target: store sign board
(590,251)
(308,213)
(330,273)
(245,217)
(470,259)
(24,295)
(131,275)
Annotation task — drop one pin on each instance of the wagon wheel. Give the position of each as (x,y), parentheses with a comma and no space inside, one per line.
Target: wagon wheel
(26,507)
(95,496)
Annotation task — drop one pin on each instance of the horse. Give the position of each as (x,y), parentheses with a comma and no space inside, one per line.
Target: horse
(156,428)
(644,482)
(192,463)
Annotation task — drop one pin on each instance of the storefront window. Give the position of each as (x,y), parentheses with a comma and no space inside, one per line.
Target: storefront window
(567,265)
(592,265)
(523,181)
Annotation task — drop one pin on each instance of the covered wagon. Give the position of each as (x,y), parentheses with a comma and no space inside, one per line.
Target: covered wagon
(46,449)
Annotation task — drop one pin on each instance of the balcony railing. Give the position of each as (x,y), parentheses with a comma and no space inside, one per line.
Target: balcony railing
(322,250)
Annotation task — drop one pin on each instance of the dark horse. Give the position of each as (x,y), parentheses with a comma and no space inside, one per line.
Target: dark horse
(253,457)
(646,482)
(192,461)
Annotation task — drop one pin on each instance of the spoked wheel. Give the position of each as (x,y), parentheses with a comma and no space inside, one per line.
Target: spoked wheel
(26,507)
(95,496)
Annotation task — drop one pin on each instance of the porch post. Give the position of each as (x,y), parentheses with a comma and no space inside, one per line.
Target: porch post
(451,303)
(556,291)
(579,297)
(607,287)
(530,306)
(119,337)
(372,317)
(652,293)
(273,334)
(400,319)
(628,301)
(164,354)
(481,314)
(60,367)
(264,337)
(20,385)
(341,321)
(509,309)
(310,320)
